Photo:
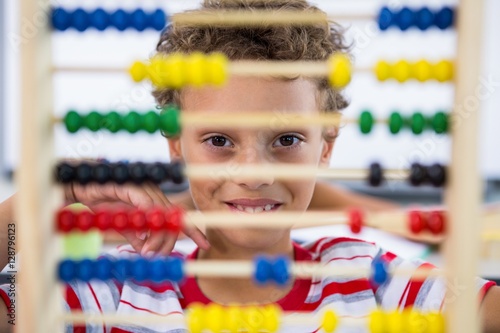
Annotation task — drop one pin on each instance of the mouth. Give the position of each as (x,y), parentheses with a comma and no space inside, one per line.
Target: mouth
(253,206)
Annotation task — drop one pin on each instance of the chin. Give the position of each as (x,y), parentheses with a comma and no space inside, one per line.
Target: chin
(258,240)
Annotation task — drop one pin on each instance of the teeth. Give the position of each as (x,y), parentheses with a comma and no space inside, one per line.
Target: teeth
(253,210)
(239,207)
(268,207)
(258,209)
(249,209)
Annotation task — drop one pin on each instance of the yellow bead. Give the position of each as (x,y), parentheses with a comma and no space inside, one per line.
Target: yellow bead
(217,68)
(233,319)
(402,71)
(196,65)
(272,317)
(383,70)
(214,317)
(377,321)
(175,70)
(415,322)
(422,70)
(253,319)
(435,322)
(138,71)
(157,72)
(394,320)
(330,321)
(443,71)
(195,318)
(340,70)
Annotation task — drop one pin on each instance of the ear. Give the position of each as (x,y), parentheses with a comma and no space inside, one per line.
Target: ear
(326,152)
(174,146)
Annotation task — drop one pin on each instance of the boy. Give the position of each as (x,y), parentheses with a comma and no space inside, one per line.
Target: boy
(241,195)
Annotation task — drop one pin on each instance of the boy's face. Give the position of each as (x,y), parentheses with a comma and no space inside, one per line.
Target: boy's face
(276,143)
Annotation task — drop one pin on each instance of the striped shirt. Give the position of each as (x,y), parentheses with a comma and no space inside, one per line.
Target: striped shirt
(352,296)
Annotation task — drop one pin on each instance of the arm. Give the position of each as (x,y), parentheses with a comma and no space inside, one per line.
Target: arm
(4,321)
(491,311)
(6,217)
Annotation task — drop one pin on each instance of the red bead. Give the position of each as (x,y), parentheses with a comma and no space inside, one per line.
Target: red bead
(356,220)
(65,220)
(120,220)
(436,222)
(103,220)
(137,219)
(416,221)
(173,218)
(84,220)
(156,219)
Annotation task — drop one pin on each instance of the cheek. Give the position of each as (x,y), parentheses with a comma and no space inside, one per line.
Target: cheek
(203,193)
(302,192)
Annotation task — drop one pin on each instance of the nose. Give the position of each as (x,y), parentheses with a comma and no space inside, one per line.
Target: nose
(247,157)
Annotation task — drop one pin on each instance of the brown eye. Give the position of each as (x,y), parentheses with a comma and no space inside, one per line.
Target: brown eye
(287,140)
(218,141)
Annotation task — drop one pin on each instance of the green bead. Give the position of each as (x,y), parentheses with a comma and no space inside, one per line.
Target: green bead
(366,122)
(150,122)
(396,122)
(132,122)
(93,121)
(440,122)
(73,121)
(169,121)
(417,123)
(112,122)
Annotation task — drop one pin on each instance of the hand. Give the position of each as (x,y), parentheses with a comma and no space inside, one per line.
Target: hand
(145,196)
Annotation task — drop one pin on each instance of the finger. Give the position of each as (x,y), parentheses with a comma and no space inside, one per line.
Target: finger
(156,194)
(154,243)
(198,237)
(137,243)
(168,246)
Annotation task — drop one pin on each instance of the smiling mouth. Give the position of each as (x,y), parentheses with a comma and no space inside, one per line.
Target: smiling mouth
(253,209)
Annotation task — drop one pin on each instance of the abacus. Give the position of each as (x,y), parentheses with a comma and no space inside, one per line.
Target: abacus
(38,303)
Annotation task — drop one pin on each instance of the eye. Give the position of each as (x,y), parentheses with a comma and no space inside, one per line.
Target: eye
(218,141)
(287,141)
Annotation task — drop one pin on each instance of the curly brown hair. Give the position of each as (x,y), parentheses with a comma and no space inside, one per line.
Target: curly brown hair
(316,42)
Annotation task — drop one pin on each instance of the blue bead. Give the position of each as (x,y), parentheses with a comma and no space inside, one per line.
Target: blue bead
(120,19)
(385,18)
(444,18)
(379,271)
(425,18)
(67,270)
(175,269)
(121,270)
(61,19)
(158,19)
(100,19)
(139,20)
(157,270)
(103,269)
(263,270)
(405,18)
(281,272)
(139,269)
(81,20)
(85,270)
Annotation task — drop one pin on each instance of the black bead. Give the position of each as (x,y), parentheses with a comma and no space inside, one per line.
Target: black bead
(436,175)
(101,173)
(84,173)
(376,176)
(176,172)
(137,172)
(418,174)
(119,173)
(65,173)
(157,172)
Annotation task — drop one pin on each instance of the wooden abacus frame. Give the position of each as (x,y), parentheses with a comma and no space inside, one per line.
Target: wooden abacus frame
(39,310)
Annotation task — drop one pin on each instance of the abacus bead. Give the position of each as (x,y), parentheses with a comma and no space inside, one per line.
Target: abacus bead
(379,272)
(120,220)
(121,270)
(196,318)
(436,173)
(377,322)
(395,122)
(414,321)
(84,220)
(132,122)
(156,172)
(416,221)
(272,316)
(173,219)
(435,322)
(85,270)
(422,70)
(137,172)
(158,20)
(436,222)
(376,176)
(383,70)
(103,268)
(175,269)
(137,220)
(330,321)
(424,18)
(340,70)
(195,69)
(366,122)
(214,317)
(73,121)
(395,322)
(65,220)
(156,219)
(139,269)
(356,220)
(138,71)
(139,20)
(385,18)
(119,173)
(417,123)
(262,270)
(440,123)
(405,18)
(99,19)
(444,18)
(157,270)
(176,172)
(101,173)
(418,174)
(217,68)
(443,71)
(150,122)
(93,121)
(175,67)
(61,19)
(402,71)
(112,122)
(103,220)
(80,20)
(67,270)
(120,19)
(234,318)
(253,319)
(169,121)
(65,173)
(84,173)
(280,268)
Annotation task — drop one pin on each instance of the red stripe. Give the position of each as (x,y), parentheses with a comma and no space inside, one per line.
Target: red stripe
(147,310)
(485,288)
(5,298)
(414,286)
(388,257)
(98,304)
(74,304)
(351,258)
(333,241)
(118,330)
